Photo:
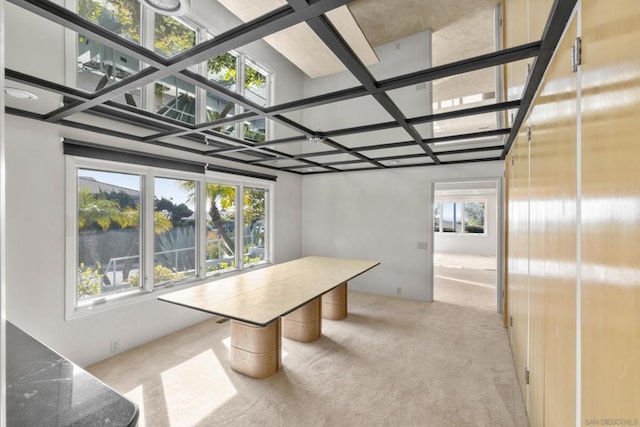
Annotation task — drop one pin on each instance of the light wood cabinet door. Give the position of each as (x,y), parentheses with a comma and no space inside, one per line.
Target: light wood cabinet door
(610,210)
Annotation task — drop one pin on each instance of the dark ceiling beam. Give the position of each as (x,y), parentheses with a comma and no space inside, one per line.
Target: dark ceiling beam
(354,153)
(331,37)
(256,29)
(106,131)
(442,163)
(147,75)
(65,17)
(558,19)
(447,70)
(239,36)
(472,150)
(286,156)
(297,11)
(472,135)
(17,76)
(329,142)
(409,156)
(134,115)
(23,113)
(201,81)
(464,66)
(146,118)
(441,153)
(68,123)
(317,100)
(465,112)
(221,91)
(318,154)
(109,109)
(202,126)
(264,146)
(501,106)
(392,108)
(450,138)
(255,109)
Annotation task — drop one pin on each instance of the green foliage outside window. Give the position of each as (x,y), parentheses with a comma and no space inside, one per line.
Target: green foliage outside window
(120,16)
(89,280)
(172,36)
(160,274)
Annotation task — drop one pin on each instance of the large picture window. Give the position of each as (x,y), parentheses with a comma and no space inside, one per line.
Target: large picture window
(221,227)
(108,234)
(133,229)
(255,200)
(174,229)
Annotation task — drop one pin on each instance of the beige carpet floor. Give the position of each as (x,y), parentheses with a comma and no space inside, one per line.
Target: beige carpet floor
(391,362)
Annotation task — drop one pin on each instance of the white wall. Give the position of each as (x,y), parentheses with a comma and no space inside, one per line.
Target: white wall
(3,300)
(380,215)
(486,245)
(35,211)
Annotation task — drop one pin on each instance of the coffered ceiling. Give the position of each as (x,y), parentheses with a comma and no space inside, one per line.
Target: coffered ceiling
(463,126)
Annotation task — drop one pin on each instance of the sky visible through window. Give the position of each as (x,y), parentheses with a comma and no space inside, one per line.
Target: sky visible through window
(167,188)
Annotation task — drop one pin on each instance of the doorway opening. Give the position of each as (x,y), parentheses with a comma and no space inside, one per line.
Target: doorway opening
(467,243)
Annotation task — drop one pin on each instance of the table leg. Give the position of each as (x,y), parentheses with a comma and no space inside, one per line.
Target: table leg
(305,323)
(255,351)
(334,303)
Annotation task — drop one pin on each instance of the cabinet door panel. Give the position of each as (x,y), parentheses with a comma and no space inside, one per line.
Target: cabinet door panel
(610,210)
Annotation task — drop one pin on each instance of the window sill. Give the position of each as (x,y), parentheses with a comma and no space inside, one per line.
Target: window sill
(461,235)
(142,296)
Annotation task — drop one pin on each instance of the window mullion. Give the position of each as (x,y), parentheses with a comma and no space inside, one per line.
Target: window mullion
(240,79)
(240,227)
(148,232)
(269,225)
(201,94)
(71,49)
(147,36)
(463,218)
(201,221)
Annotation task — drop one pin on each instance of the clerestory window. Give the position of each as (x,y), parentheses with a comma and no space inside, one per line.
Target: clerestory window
(98,66)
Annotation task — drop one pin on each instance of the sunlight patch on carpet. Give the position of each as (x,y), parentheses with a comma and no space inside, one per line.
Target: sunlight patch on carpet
(196,388)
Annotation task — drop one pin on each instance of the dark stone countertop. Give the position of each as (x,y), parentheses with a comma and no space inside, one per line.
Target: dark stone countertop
(45,389)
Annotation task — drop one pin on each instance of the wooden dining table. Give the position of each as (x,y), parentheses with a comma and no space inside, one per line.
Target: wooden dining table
(288,299)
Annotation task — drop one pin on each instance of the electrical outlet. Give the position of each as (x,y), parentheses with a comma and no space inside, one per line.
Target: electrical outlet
(423,245)
(399,291)
(114,346)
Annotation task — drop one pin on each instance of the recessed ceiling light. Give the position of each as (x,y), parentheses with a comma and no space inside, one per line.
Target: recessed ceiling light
(19,93)
(168,7)
(394,162)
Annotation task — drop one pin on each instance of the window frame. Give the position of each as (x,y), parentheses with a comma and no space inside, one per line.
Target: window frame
(149,290)
(147,40)
(462,201)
